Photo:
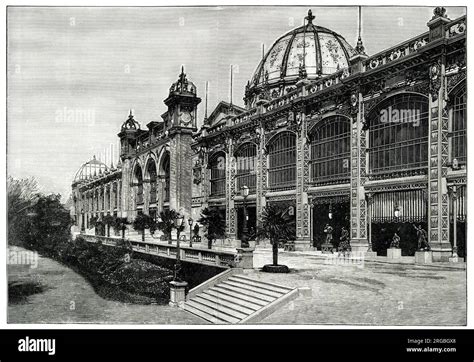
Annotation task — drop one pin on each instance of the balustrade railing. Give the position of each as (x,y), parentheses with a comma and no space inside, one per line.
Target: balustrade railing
(457,27)
(220,258)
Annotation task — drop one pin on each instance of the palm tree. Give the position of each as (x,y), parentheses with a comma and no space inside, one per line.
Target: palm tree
(143,222)
(214,222)
(120,224)
(278,226)
(166,223)
(109,221)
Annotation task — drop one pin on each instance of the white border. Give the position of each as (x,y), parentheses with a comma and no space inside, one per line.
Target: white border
(3,216)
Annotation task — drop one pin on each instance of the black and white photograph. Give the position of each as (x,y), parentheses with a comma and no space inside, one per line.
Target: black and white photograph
(271,165)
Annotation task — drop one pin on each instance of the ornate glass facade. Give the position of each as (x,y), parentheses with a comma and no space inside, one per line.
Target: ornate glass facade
(217,168)
(398,134)
(245,161)
(459,118)
(330,150)
(282,160)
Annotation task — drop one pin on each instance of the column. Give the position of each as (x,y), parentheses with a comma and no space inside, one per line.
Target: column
(146,196)
(303,241)
(438,201)
(230,214)
(358,233)
(261,168)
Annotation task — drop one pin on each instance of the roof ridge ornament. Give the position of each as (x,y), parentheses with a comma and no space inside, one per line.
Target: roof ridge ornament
(310,17)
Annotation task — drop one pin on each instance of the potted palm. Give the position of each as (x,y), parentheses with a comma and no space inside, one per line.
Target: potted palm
(277,226)
(214,222)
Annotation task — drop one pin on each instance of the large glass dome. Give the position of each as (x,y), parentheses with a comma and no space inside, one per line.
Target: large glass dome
(317,50)
(90,169)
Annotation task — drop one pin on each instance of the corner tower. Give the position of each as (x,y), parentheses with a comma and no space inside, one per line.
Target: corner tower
(180,123)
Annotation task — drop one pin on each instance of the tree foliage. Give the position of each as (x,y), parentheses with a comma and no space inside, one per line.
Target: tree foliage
(166,223)
(214,222)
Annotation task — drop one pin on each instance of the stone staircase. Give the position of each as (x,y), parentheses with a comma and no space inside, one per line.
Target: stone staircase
(238,299)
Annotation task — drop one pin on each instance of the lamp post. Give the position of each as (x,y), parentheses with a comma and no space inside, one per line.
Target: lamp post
(178,223)
(190,223)
(245,194)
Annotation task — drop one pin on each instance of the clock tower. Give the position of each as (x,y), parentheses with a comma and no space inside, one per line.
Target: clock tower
(182,104)
(180,123)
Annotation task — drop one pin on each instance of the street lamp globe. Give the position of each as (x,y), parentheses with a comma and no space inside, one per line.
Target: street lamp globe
(397,211)
(178,221)
(245,191)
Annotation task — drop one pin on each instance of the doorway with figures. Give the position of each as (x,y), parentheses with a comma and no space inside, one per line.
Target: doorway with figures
(330,211)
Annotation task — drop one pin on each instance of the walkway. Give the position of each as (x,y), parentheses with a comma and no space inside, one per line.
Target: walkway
(69,298)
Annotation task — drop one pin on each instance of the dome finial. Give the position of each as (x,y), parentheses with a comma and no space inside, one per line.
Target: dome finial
(130,115)
(310,17)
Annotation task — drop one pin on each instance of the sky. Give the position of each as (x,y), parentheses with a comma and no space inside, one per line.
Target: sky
(74,72)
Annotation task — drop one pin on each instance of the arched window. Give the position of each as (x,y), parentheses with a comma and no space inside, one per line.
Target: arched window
(152,176)
(217,180)
(282,161)
(398,134)
(458,138)
(245,160)
(165,171)
(138,182)
(330,150)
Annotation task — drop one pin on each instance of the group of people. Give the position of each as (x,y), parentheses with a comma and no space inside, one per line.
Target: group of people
(344,242)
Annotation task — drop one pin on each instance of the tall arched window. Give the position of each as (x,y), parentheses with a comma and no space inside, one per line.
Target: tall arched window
(245,160)
(152,176)
(398,134)
(458,138)
(330,150)
(165,172)
(282,161)
(217,180)
(138,182)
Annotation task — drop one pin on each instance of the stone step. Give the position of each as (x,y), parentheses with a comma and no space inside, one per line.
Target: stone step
(237,294)
(233,299)
(261,284)
(255,289)
(220,307)
(244,291)
(227,302)
(196,311)
(226,318)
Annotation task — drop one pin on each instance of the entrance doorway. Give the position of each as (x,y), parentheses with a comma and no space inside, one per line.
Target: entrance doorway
(382,234)
(336,214)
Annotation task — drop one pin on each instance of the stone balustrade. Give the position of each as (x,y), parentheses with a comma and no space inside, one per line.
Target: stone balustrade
(197,255)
